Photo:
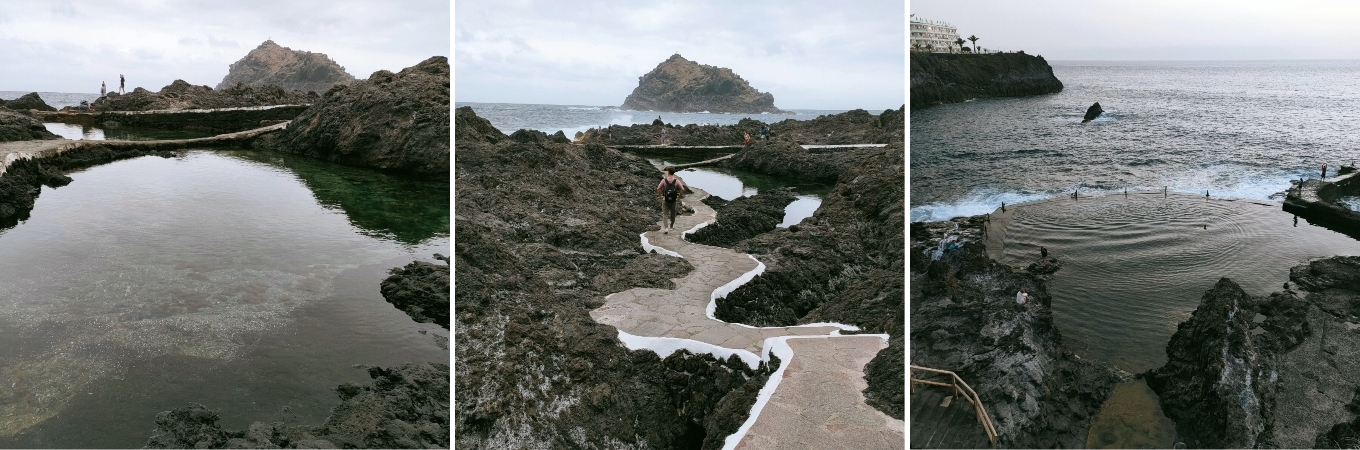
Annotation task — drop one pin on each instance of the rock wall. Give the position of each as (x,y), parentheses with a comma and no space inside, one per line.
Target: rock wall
(964,318)
(681,85)
(295,70)
(397,122)
(1274,371)
(951,78)
(214,121)
(533,256)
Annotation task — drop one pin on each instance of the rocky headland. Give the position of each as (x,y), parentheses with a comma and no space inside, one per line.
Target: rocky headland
(294,70)
(681,85)
(965,319)
(533,256)
(26,102)
(395,122)
(180,95)
(1273,371)
(951,78)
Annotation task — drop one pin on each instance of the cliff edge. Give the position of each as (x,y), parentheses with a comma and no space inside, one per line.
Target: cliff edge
(947,78)
(681,85)
(293,70)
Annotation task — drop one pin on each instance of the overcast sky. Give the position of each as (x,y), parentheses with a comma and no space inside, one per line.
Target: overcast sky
(1157,29)
(71,46)
(809,54)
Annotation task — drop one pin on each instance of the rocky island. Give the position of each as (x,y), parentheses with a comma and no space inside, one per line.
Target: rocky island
(681,85)
(294,70)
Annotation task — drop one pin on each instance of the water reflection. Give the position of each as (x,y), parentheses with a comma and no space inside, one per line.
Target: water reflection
(728,184)
(75,132)
(800,209)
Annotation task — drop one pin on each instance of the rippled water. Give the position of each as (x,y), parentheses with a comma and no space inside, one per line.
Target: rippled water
(509,117)
(1134,267)
(238,280)
(1237,129)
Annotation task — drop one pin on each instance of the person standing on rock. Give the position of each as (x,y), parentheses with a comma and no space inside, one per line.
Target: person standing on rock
(663,135)
(669,191)
(746,142)
(764,133)
(103,88)
(121,83)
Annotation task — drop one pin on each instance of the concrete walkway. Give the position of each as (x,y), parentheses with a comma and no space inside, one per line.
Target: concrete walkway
(17,150)
(822,373)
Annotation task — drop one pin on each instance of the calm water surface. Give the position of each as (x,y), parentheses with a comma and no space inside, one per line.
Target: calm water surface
(244,281)
(729,184)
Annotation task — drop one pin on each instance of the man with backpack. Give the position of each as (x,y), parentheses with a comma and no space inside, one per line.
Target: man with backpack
(669,190)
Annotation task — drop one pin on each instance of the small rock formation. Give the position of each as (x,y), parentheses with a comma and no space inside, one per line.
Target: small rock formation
(26,102)
(420,289)
(397,122)
(743,217)
(180,95)
(938,78)
(294,70)
(681,85)
(1092,112)
(20,127)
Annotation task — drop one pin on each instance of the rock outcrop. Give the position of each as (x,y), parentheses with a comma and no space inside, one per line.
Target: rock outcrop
(743,217)
(421,290)
(20,127)
(533,256)
(180,95)
(681,85)
(1092,113)
(293,70)
(964,318)
(1274,371)
(404,407)
(26,102)
(397,122)
(850,127)
(951,78)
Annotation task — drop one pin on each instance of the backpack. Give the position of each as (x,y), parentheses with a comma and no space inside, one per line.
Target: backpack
(672,190)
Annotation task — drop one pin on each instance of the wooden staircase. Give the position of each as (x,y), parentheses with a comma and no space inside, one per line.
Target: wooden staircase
(946,413)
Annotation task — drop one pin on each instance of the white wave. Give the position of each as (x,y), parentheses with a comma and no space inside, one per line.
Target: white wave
(584,108)
(972,205)
(1230,181)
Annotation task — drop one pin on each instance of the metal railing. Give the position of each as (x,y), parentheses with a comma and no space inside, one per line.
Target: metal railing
(961,389)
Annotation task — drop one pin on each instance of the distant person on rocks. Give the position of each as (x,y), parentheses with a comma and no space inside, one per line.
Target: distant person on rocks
(121,83)
(1043,254)
(746,142)
(1324,171)
(764,133)
(1021,297)
(663,135)
(669,190)
(103,88)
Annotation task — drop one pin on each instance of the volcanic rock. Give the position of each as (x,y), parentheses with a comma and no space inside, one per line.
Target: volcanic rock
(952,78)
(533,256)
(743,217)
(20,127)
(293,70)
(394,122)
(420,289)
(964,319)
(180,95)
(404,407)
(1092,112)
(681,85)
(26,102)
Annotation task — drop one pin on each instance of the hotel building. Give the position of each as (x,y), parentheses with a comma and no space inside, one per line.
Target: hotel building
(932,36)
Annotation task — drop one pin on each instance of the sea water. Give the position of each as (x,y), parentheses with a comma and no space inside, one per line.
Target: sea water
(56,100)
(244,281)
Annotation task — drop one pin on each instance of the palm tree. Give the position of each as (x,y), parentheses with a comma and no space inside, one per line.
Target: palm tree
(974,39)
(959,41)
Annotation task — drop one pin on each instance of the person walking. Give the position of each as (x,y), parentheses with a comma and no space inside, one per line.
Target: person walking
(122,82)
(764,133)
(670,190)
(103,88)
(663,135)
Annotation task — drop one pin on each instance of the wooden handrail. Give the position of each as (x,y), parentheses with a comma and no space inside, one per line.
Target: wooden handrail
(962,389)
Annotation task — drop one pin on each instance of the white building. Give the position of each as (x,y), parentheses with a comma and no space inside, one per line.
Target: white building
(933,36)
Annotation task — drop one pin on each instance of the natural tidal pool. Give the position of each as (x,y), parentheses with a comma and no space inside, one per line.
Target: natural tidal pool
(244,281)
(1135,267)
(81,132)
(729,184)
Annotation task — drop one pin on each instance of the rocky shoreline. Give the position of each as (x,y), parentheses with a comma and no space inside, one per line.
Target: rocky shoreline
(938,78)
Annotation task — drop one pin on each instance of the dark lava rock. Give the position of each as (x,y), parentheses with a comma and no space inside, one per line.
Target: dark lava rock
(26,102)
(681,85)
(468,127)
(851,127)
(180,95)
(421,289)
(404,407)
(1277,371)
(293,70)
(744,218)
(539,136)
(533,256)
(1092,113)
(952,78)
(1216,383)
(393,122)
(964,319)
(20,127)
(1044,267)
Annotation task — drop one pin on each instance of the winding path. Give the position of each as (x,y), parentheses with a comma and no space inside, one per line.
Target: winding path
(813,400)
